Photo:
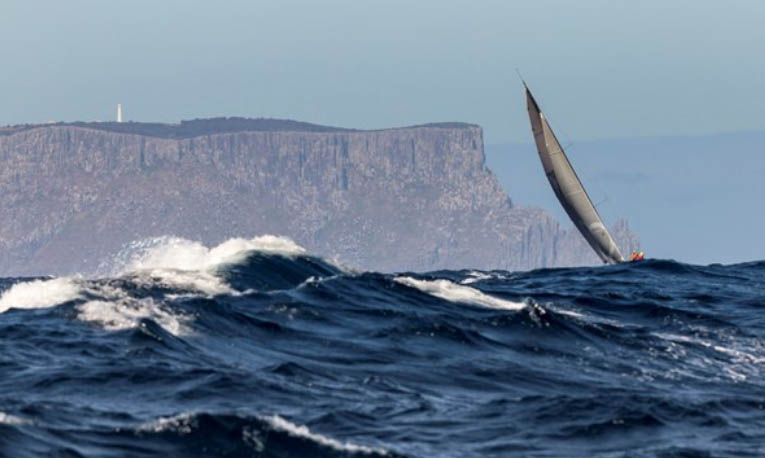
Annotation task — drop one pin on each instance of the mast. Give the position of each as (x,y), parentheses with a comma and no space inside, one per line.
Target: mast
(567,186)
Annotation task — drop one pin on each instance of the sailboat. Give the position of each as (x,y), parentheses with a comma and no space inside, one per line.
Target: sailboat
(568,188)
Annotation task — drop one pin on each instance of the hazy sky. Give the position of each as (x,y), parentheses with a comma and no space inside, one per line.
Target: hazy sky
(608,69)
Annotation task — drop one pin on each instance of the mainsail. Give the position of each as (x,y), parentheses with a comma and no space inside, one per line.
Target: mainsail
(568,188)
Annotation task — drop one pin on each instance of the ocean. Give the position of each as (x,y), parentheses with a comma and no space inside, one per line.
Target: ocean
(256,347)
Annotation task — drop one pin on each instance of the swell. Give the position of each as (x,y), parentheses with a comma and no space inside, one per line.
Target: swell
(256,348)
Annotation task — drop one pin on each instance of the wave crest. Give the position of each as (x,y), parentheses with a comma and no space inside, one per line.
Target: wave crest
(271,434)
(40,293)
(452,292)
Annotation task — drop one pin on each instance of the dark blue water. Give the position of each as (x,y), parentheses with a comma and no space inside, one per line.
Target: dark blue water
(292,356)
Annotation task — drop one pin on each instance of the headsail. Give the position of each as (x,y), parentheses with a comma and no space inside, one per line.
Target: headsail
(568,188)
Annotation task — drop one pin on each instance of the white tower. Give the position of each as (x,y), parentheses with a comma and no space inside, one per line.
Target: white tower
(119,112)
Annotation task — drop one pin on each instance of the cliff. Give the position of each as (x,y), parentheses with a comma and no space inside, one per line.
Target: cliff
(417,198)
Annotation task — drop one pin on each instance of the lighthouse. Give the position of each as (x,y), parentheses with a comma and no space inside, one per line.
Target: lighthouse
(119,112)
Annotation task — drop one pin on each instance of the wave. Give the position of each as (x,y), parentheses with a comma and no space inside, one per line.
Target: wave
(40,294)
(181,254)
(268,435)
(152,273)
(292,429)
(452,292)
(267,350)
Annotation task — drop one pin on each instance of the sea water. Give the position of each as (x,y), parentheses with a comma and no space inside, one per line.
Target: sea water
(257,348)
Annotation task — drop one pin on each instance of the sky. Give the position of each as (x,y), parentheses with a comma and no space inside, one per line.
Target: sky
(600,69)
(604,68)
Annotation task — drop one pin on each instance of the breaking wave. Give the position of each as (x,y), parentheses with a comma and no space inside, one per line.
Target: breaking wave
(159,270)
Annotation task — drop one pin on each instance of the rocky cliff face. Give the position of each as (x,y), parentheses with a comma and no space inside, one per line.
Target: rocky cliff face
(418,198)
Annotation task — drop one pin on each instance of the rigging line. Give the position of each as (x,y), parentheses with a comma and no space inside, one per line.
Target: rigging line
(521,77)
(601,202)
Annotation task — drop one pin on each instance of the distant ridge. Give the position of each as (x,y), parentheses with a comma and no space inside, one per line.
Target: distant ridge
(399,199)
(210,126)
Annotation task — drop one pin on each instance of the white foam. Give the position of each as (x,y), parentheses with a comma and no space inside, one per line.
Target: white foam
(7,419)
(165,261)
(570,313)
(198,281)
(450,291)
(127,313)
(188,264)
(181,423)
(114,309)
(738,355)
(679,338)
(175,253)
(313,280)
(40,294)
(281,424)
(475,276)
